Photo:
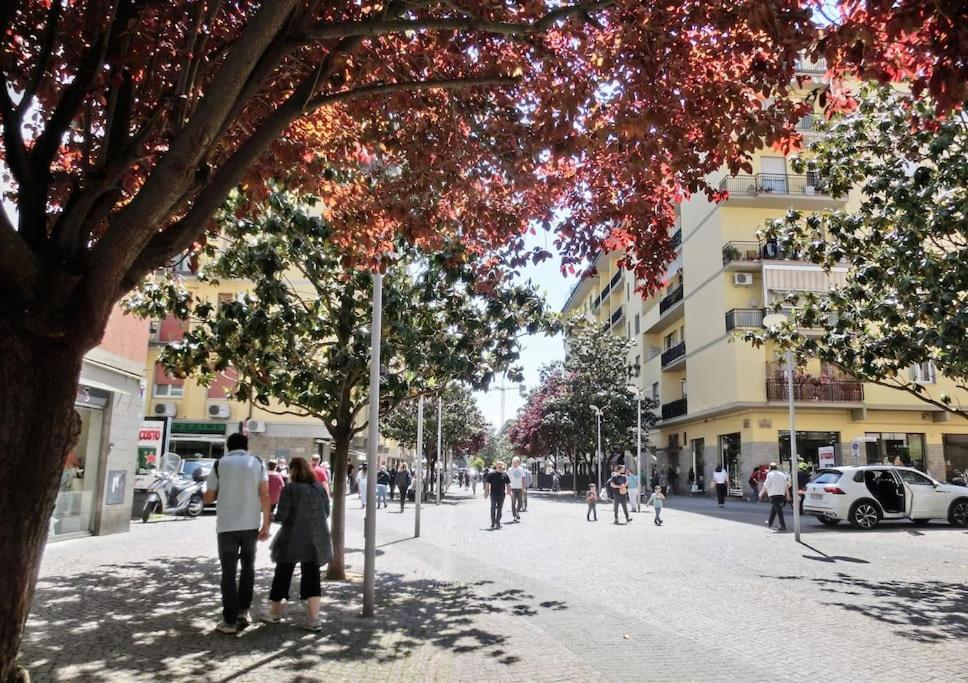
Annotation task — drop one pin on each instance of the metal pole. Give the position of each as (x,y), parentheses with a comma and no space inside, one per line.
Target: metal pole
(794,458)
(440,454)
(638,447)
(373,439)
(418,469)
(598,419)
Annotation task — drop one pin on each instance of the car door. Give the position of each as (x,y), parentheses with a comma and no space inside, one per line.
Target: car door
(925,500)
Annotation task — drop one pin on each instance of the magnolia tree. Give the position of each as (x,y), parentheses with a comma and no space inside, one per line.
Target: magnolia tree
(126,124)
(558,417)
(463,427)
(301,335)
(901,317)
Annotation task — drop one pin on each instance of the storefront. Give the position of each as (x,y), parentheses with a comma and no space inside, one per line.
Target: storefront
(810,447)
(730,450)
(197,439)
(895,448)
(955,456)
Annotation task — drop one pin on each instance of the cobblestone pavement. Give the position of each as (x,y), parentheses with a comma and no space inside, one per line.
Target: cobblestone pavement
(710,595)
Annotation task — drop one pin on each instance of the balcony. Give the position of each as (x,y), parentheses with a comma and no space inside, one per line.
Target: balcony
(674,409)
(740,256)
(676,240)
(744,318)
(617,317)
(674,356)
(830,387)
(805,65)
(671,299)
(778,190)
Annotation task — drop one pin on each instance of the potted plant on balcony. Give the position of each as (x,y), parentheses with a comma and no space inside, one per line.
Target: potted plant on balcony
(730,253)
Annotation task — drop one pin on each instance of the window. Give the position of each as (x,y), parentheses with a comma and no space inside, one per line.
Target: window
(670,340)
(923,373)
(169,391)
(225,298)
(914,478)
(637,324)
(684,387)
(828,477)
(184,265)
(655,391)
(638,360)
(628,291)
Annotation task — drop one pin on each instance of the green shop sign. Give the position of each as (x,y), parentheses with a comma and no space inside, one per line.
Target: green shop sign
(209,428)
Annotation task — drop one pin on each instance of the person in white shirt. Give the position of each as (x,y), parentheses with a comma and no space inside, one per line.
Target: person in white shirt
(721,479)
(775,487)
(517,475)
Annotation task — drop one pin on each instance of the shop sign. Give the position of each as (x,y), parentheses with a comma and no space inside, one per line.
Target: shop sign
(826,455)
(151,441)
(209,428)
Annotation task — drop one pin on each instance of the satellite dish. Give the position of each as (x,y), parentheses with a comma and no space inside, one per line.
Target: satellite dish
(774,320)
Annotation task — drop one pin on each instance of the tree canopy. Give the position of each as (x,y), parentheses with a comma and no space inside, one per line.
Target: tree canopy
(464,429)
(905,299)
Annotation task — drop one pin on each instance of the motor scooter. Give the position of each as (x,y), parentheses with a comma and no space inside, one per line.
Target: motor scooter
(175,493)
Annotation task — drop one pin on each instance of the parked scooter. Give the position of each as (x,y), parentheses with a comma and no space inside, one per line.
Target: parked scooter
(174,493)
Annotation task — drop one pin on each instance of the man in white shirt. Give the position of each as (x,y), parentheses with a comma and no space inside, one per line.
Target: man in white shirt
(240,482)
(775,487)
(517,476)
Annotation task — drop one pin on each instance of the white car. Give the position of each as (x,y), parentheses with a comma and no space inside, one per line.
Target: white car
(866,495)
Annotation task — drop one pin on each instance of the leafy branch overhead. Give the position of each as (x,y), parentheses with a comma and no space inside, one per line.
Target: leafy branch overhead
(901,317)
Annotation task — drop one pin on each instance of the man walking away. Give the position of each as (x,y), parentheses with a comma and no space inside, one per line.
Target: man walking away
(516,474)
(527,485)
(618,483)
(383,482)
(276,483)
(322,474)
(240,483)
(473,475)
(403,481)
(497,484)
(775,487)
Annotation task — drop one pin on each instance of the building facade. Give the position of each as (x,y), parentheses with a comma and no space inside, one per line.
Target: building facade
(724,402)
(96,487)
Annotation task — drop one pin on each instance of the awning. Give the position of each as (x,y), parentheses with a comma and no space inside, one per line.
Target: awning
(102,386)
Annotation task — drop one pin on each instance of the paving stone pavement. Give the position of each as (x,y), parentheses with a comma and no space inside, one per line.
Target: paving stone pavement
(711,595)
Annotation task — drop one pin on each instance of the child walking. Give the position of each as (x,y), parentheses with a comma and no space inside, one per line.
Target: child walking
(592,499)
(655,500)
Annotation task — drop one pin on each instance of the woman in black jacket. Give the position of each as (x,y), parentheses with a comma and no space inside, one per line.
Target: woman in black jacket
(303,538)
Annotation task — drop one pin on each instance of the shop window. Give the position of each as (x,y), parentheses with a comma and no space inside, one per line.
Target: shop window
(74,507)
(808,447)
(730,448)
(892,448)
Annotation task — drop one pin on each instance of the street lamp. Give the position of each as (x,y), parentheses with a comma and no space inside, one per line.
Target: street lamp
(598,420)
(373,438)
(772,322)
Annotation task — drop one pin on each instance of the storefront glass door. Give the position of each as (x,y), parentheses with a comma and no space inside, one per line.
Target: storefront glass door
(76,496)
(730,446)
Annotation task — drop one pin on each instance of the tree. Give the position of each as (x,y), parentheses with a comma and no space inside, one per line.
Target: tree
(903,303)
(308,345)
(126,124)
(464,429)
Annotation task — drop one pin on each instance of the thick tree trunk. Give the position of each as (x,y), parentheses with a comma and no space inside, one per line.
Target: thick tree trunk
(38,425)
(336,570)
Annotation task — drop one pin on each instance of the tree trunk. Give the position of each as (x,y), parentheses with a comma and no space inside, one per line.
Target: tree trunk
(336,570)
(38,426)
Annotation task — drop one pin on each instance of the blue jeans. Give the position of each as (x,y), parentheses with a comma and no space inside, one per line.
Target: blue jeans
(658,515)
(381,495)
(233,547)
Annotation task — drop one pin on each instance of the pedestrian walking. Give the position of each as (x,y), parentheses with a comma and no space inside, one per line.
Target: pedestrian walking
(393,480)
(361,484)
(591,497)
(303,538)
(619,483)
(403,481)
(383,482)
(803,478)
(276,483)
(721,479)
(321,473)
(497,485)
(473,475)
(776,487)
(754,486)
(240,483)
(657,500)
(634,491)
(516,474)
(555,482)
(527,484)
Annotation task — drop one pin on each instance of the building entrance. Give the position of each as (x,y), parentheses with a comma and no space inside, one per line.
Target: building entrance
(808,447)
(956,457)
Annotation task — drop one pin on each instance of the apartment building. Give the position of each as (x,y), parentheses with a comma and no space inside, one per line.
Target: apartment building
(724,402)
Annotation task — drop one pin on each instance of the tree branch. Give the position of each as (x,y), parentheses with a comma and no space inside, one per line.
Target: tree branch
(19,267)
(46,49)
(922,396)
(388,88)
(13,141)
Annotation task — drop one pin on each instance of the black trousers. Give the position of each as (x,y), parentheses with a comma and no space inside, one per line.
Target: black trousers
(235,547)
(517,502)
(309,585)
(777,509)
(620,499)
(403,498)
(721,493)
(497,508)
(592,512)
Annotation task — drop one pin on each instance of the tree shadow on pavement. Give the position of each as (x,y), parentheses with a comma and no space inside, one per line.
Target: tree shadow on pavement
(156,619)
(924,611)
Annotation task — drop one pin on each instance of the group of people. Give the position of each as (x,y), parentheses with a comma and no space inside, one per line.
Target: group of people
(501,483)
(623,487)
(387,481)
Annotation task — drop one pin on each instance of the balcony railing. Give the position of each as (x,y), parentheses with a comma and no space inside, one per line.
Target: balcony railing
(613,283)
(809,66)
(832,385)
(673,353)
(742,318)
(676,239)
(616,316)
(773,183)
(674,409)
(742,251)
(809,123)
(670,299)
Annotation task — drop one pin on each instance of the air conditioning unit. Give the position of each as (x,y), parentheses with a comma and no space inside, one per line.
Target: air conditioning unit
(255,426)
(164,409)
(219,411)
(743,279)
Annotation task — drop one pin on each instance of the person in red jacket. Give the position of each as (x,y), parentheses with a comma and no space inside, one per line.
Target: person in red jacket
(276,483)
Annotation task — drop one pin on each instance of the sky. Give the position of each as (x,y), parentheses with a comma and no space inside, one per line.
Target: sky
(537,350)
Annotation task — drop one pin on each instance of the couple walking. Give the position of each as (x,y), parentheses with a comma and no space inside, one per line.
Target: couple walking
(239,481)
(498,484)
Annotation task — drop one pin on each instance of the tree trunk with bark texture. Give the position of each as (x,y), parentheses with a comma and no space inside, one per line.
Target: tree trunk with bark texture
(336,570)
(38,426)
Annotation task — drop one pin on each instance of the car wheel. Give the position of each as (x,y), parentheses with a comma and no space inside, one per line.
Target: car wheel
(828,521)
(864,514)
(958,514)
(921,522)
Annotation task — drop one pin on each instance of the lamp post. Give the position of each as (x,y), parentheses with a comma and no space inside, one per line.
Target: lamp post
(638,443)
(598,463)
(440,455)
(771,322)
(418,470)
(373,438)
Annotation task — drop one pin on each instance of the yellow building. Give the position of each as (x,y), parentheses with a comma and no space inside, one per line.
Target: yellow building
(724,402)
(199,418)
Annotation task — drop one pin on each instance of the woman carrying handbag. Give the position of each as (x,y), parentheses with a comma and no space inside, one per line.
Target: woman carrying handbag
(303,538)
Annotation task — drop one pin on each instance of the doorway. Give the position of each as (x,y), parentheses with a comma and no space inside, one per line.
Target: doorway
(697,476)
